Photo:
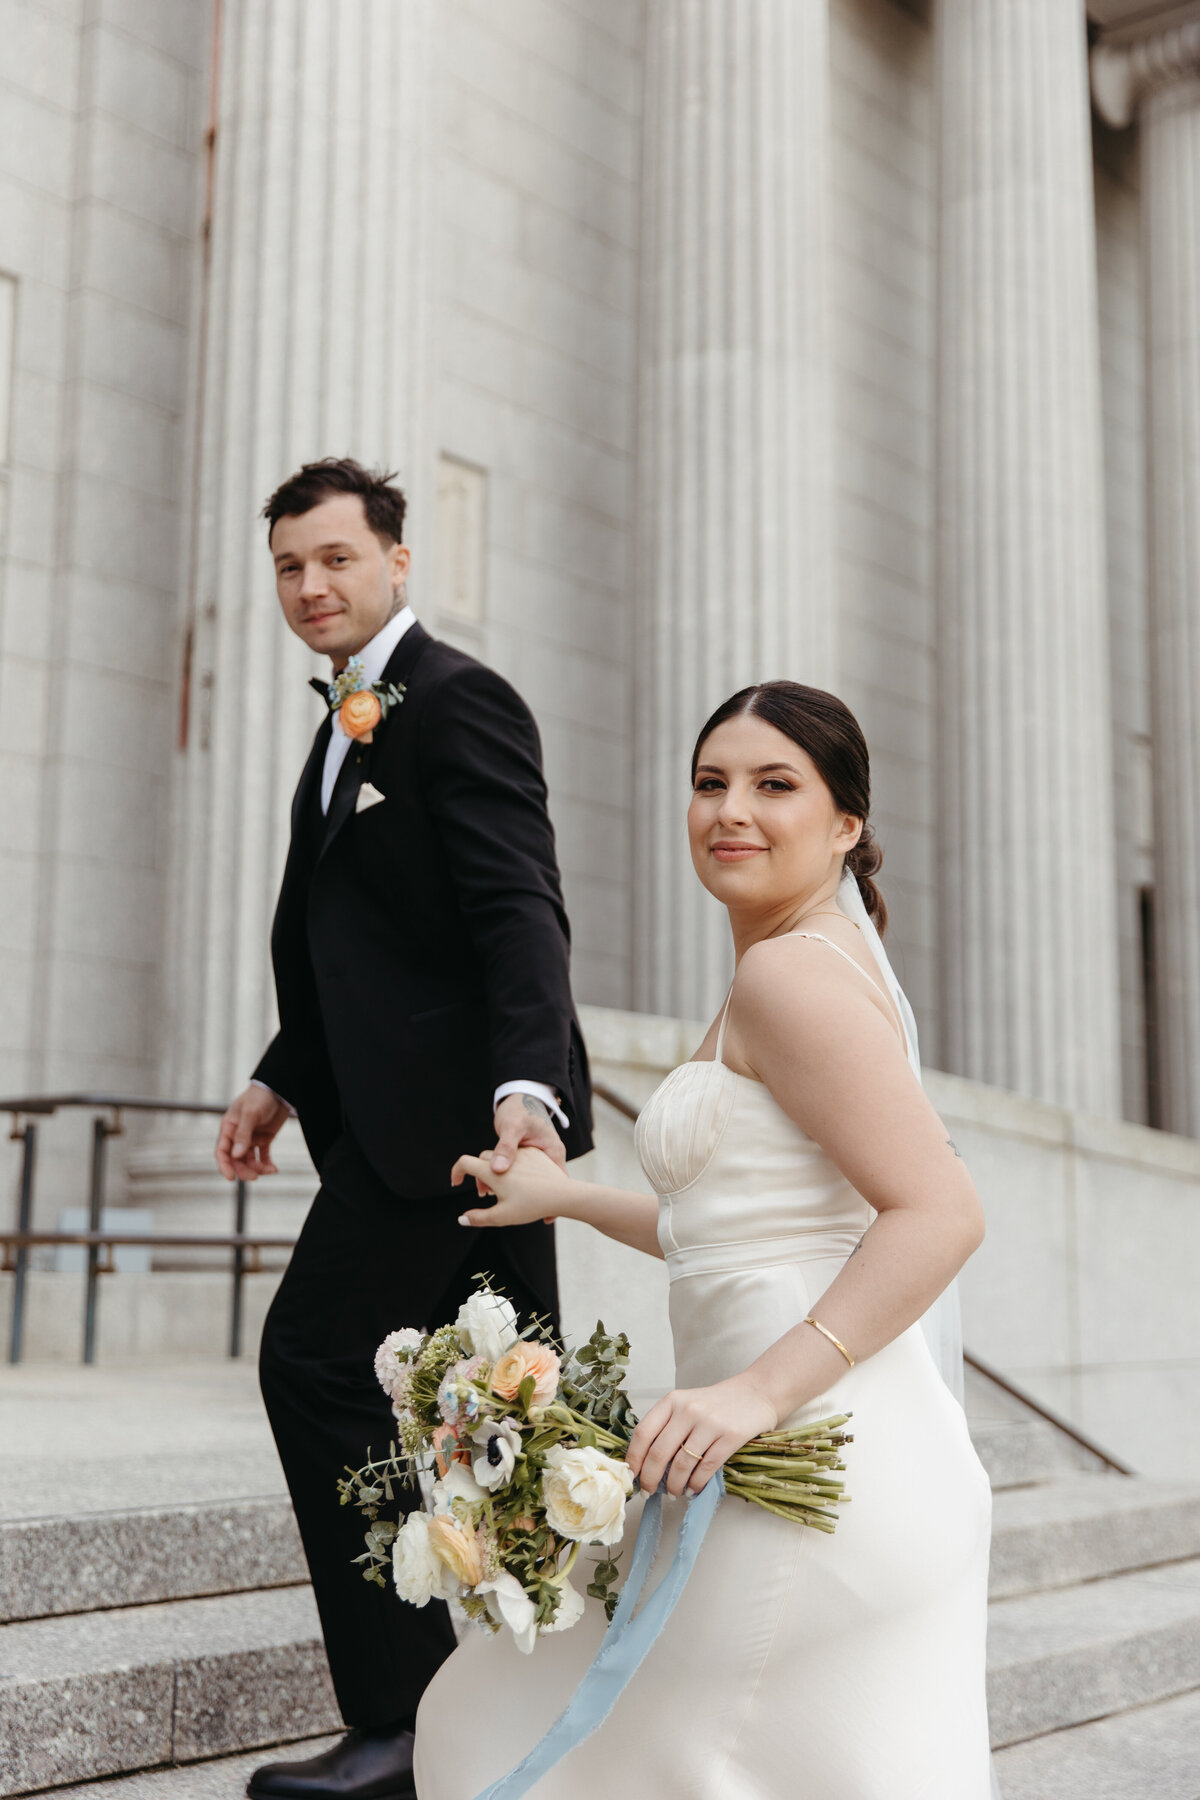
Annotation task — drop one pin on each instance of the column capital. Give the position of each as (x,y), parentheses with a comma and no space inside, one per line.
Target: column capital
(1127,68)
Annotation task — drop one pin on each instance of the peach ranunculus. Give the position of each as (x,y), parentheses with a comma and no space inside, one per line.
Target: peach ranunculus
(525,1358)
(359,714)
(448,1448)
(457,1549)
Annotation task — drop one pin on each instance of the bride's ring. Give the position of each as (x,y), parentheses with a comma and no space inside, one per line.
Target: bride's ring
(684,1451)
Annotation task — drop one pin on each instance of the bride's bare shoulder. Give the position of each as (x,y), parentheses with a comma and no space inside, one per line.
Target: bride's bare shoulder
(799,984)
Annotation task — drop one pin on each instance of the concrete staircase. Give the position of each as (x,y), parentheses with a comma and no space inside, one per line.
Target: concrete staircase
(167,1621)
(1094,1624)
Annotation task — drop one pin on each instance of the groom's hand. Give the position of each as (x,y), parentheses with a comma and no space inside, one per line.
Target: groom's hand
(523,1119)
(247,1131)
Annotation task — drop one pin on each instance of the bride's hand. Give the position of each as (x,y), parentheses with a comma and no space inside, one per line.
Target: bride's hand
(532,1188)
(690,1433)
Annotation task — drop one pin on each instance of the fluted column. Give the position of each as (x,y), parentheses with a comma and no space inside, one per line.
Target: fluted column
(1028,926)
(1157,78)
(311,342)
(734,486)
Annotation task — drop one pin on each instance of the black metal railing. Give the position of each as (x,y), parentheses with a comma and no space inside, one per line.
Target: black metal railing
(245,1248)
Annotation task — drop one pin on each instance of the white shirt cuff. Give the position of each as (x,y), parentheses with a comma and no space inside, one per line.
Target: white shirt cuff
(539,1090)
(255,1082)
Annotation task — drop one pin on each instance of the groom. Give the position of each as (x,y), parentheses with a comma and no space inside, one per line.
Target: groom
(421,964)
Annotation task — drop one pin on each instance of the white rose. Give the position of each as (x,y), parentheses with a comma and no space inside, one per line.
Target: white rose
(420,1576)
(570,1610)
(510,1605)
(457,1483)
(487,1325)
(585,1493)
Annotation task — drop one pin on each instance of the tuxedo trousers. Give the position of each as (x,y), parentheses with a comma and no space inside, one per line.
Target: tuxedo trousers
(367,1262)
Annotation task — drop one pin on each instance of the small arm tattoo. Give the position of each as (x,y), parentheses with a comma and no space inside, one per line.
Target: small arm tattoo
(955,1148)
(535,1107)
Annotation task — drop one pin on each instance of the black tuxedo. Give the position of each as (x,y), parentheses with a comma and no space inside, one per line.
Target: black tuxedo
(421,959)
(421,946)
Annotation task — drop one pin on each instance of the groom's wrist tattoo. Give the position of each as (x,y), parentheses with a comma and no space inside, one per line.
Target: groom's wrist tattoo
(535,1107)
(955,1148)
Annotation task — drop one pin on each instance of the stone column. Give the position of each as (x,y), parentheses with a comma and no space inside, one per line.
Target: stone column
(1028,929)
(735,494)
(1156,78)
(312,341)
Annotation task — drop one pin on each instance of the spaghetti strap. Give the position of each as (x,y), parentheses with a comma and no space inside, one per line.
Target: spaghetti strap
(846,957)
(844,954)
(717,1056)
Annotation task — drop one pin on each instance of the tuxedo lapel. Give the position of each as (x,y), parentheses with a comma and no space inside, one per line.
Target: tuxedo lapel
(354,770)
(309,785)
(351,776)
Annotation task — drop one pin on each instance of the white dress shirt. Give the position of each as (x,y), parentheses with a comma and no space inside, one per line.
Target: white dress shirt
(375,658)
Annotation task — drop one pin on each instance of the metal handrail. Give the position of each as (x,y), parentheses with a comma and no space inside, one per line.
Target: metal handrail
(628,1110)
(25,1112)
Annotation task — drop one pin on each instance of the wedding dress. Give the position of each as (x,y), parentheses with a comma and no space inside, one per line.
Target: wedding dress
(797,1665)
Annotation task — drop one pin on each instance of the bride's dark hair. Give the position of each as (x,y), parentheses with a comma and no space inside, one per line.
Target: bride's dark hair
(827,730)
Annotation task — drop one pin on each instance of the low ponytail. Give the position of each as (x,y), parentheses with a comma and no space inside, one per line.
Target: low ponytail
(864,861)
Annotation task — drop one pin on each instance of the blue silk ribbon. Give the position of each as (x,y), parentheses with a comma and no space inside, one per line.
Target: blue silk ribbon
(626,1643)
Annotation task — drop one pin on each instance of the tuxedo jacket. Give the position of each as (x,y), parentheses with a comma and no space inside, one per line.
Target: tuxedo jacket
(420,944)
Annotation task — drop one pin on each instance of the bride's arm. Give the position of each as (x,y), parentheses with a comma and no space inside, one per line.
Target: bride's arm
(837,1067)
(535,1188)
(805,1026)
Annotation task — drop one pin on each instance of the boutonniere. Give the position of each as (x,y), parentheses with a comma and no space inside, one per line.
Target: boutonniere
(359,705)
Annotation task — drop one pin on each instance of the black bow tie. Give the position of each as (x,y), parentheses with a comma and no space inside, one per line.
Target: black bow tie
(319,687)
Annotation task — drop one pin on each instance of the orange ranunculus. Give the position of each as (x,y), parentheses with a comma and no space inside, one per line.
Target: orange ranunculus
(457,1549)
(447,1447)
(359,714)
(526,1358)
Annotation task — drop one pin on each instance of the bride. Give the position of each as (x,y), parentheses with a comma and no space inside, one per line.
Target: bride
(810,1208)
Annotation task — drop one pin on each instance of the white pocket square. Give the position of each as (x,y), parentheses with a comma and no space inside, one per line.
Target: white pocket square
(368,795)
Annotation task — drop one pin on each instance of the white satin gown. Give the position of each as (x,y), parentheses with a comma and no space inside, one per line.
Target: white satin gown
(797,1665)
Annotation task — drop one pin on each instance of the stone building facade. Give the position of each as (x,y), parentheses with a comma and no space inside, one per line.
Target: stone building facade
(851,340)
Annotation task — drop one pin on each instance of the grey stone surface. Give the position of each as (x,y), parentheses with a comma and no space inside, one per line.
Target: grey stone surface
(190,1411)
(1059,1659)
(1083,1526)
(139,1686)
(75,1565)
(1154,1750)
(223,1778)
(1018,1452)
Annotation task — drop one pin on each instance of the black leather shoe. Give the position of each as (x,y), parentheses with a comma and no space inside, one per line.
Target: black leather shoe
(366,1765)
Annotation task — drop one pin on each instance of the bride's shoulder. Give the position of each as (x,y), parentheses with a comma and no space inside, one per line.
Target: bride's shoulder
(799,984)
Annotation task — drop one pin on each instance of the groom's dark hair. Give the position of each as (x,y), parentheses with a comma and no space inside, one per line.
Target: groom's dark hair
(384,505)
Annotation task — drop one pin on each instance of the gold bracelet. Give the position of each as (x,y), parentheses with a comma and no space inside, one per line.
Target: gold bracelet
(837,1344)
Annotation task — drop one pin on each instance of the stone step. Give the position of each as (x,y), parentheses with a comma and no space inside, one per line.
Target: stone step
(1062,1658)
(1021,1452)
(1154,1750)
(223,1778)
(130,1557)
(108,1692)
(1080,1527)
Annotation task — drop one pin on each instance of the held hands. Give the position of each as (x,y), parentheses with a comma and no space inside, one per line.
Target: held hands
(248,1129)
(692,1432)
(524,1119)
(532,1188)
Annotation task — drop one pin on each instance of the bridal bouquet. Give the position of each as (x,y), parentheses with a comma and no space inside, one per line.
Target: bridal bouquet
(527,1448)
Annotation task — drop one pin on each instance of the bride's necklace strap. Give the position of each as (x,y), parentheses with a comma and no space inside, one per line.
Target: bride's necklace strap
(821,915)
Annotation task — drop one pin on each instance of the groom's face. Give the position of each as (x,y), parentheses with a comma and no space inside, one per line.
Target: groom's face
(338,584)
